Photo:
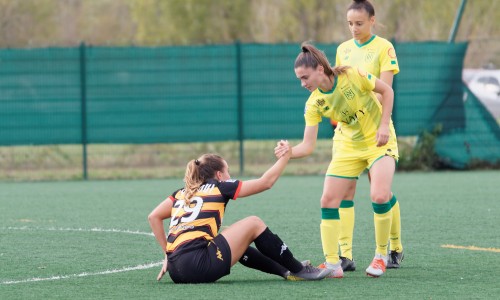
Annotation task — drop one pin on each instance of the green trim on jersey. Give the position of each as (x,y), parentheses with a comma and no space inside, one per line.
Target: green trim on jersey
(344,177)
(333,88)
(365,43)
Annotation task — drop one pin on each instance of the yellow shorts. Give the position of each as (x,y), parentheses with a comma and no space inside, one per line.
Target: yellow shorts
(349,163)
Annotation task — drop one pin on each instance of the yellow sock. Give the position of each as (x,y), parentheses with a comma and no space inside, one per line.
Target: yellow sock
(330,230)
(382,218)
(396,227)
(346,212)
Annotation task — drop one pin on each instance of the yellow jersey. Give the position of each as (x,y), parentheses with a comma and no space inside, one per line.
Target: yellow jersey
(375,56)
(354,105)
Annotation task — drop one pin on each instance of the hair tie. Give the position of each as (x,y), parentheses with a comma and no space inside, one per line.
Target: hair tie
(304,49)
(197,162)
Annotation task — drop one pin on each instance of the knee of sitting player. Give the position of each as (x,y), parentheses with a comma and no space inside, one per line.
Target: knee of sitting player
(256,222)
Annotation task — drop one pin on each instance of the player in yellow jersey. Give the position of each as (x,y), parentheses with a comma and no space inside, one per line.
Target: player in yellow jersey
(195,252)
(364,139)
(377,56)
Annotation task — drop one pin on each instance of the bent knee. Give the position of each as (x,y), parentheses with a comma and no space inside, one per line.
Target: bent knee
(254,220)
(380,197)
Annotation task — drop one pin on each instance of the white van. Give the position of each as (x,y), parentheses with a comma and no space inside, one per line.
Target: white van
(485,84)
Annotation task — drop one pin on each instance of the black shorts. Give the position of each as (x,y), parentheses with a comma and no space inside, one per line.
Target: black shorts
(202,265)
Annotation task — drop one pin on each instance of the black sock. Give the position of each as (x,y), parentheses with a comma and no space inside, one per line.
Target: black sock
(273,247)
(252,258)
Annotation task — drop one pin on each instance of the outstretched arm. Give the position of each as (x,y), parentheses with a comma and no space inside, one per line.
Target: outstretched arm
(267,180)
(305,148)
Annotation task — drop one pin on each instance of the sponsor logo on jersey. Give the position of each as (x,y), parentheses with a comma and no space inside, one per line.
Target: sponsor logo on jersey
(391,52)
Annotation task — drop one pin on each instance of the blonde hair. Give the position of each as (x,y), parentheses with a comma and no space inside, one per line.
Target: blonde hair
(312,57)
(199,171)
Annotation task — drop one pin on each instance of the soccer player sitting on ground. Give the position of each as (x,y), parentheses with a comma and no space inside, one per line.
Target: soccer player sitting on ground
(196,253)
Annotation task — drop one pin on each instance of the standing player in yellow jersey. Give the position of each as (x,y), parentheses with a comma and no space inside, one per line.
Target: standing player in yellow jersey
(377,56)
(196,252)
(364,139)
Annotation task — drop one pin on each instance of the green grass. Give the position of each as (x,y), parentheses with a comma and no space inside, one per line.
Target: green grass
(45,232)
(135,161)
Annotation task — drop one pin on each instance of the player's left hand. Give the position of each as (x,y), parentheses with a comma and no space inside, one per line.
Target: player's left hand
(382,135)
(163,269)
(282,148)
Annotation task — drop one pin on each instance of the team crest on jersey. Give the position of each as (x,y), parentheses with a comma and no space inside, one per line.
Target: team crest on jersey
(369,56)
(320,102)
(349,94)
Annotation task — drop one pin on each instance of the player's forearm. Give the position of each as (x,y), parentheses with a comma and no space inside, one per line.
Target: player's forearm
(273,173)
(387,102)
(158,231)
(302,150)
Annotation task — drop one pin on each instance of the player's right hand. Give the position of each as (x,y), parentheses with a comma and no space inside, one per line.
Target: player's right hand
(163,269)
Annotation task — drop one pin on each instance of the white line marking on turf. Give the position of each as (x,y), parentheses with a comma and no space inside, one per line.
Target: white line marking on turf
(81,230)
(85,274)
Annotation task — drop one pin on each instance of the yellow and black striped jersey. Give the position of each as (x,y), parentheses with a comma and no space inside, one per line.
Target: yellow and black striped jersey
(202,218)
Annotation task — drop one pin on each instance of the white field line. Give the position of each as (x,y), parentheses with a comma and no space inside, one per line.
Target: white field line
(84,274)
(80,229)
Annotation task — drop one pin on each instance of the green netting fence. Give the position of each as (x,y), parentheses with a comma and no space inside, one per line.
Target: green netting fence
(237,92)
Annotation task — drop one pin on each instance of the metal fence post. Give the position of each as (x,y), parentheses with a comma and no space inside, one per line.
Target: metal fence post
(456,23)
(83,102)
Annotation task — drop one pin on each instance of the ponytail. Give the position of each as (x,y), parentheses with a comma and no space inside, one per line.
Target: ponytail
(312,57)
(199,171)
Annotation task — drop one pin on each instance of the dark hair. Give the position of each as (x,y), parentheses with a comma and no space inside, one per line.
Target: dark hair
(362,4)
(311,57)
(199,171)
